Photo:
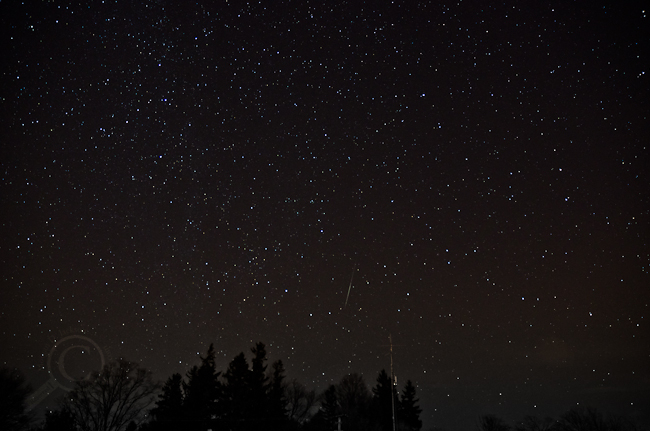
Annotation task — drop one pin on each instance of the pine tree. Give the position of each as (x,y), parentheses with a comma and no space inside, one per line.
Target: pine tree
(169,412)
(409,411)
(330,407)
(13,400)
(237,393)
(384,395)
(277,404)
(258,385)
(203,392)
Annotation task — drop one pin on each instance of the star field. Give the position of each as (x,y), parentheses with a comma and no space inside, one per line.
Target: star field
(178,174)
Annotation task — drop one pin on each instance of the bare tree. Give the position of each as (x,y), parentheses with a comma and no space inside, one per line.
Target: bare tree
(492,423)
(580,419)
(533,423)
(354,400)
(112,398)
(299,401)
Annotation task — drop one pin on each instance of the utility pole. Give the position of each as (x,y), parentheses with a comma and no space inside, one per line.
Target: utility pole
(392,380)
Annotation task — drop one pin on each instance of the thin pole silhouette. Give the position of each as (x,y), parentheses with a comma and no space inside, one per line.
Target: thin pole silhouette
(392,380)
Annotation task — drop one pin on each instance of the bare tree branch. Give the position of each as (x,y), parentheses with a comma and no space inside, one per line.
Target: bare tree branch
(299,401)
(112,398)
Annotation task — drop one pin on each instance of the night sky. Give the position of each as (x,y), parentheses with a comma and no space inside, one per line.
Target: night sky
(177,174)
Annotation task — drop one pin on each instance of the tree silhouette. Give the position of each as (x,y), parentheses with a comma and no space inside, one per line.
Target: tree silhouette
(13,400)
(299,401)
(59,420)
(492,423)
(409,411)
(581,419)
(384,395)
(243,398)
(532,423)
(354,400)
(111,398)
(277,403)
(170,410)
(327,415)
(330,407)
(202,392)
(236,399)
(258,385)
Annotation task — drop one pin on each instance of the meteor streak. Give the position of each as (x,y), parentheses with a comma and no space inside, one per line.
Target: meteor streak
(349,287)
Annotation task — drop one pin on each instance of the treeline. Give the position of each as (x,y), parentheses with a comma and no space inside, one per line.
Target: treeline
(244,397)
(247,396)
(257,396)
(576,419)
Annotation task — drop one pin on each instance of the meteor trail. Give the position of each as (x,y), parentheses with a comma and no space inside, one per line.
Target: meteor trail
(349,287)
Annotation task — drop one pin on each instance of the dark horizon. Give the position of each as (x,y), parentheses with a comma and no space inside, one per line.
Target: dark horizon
(470,178)
(461,409)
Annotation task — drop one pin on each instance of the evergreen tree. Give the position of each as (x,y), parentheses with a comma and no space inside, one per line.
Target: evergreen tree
(169,411)
(13,400)
(409,411)
(202,392)
(327,417)
(384,395)
(237,393)
(258,385)
(277,403)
